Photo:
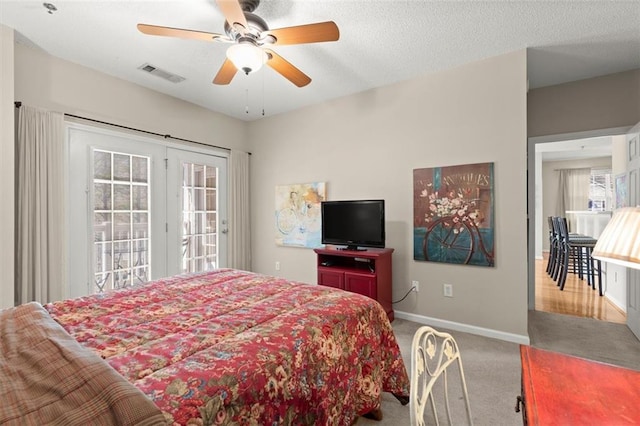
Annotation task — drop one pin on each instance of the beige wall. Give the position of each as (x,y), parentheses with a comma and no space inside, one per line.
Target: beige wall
(607,102)
(6,168)
(367,145)
(51,83)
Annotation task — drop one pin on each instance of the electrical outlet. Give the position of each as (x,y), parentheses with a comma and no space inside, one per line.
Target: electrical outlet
(416,285)
(277,266)
(448,290)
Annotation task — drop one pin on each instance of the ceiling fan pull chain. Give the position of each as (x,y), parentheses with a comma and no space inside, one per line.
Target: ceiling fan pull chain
(247,102)
(263,94)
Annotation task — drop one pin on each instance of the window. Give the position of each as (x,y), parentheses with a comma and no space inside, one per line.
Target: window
(600,190)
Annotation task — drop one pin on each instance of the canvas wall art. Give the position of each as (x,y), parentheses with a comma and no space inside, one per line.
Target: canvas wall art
(454,215)
(297,214)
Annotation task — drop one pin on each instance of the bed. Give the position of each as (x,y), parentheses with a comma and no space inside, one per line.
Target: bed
(235,347)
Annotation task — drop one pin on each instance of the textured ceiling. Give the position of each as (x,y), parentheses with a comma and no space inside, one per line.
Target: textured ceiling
(381,42)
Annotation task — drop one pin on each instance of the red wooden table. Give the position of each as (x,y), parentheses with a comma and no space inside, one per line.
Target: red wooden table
(561,389)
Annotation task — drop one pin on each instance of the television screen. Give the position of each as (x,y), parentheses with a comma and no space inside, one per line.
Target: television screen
(353,223)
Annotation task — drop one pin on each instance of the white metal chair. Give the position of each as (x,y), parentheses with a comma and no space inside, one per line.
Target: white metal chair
(432,353)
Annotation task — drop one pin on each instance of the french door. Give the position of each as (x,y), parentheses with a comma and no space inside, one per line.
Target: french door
(196,194)
(139,210)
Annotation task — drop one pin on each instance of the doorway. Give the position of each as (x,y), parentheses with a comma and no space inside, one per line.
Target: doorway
(547,155)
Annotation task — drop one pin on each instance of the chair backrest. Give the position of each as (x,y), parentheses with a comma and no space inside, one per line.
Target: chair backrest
(557,228)
(433,353)
(563,226)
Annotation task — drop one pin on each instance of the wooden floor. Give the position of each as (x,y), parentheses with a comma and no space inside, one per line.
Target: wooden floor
(576,299)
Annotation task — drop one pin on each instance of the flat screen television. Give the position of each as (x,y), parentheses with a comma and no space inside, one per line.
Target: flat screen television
(353,223)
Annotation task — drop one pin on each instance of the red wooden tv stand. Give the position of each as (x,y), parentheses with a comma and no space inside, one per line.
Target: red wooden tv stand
(365,272)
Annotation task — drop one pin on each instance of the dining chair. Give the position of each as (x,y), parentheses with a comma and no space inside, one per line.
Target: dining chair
(576,256)
(552,246)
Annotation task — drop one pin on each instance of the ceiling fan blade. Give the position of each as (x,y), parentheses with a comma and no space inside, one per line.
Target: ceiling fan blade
(180,33)
(310,33)
(232,12)
(226,73)
(286,69)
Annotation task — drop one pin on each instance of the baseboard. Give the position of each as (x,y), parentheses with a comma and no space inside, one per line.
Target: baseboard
(616,302)
(465,328)
(543,257)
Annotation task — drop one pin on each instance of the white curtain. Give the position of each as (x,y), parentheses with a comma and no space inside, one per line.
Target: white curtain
(40,213)
(573,193)
(239,218)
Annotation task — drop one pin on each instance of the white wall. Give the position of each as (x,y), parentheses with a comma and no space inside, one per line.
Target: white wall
(367,145)
(6,168)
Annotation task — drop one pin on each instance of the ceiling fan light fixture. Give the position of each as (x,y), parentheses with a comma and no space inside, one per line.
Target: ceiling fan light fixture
(246,57)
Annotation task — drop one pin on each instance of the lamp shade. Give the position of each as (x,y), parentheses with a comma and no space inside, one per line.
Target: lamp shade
(246,57)
(620,241)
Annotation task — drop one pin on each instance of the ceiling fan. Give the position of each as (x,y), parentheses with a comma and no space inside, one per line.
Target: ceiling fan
(251,38)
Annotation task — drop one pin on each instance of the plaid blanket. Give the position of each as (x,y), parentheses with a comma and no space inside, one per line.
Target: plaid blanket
(47,377)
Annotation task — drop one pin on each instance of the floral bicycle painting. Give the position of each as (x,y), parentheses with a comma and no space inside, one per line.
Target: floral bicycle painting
(453,214)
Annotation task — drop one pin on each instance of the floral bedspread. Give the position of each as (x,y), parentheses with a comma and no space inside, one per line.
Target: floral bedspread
(234,347)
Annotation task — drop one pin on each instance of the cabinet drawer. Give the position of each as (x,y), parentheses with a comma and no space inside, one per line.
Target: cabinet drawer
(331,278)
(361,283)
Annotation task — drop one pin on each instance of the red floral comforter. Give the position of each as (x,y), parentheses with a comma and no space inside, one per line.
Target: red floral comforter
(234,347)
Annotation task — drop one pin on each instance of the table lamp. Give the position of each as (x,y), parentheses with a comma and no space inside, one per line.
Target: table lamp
(619,243)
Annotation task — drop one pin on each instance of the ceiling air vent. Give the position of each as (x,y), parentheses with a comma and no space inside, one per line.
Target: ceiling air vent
(174,78)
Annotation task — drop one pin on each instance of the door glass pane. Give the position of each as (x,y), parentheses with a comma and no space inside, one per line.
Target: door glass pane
(121,228)
(140,197)
(122,197)
(140,169)
(211,199)
(140,225)
(211,224)
(101,196)
(122,167)
(198,199)
(211,177)
(199,203)
(186,175)
(102,165)
(198,175)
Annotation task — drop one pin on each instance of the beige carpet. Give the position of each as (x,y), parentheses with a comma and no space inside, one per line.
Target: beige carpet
(492,367)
